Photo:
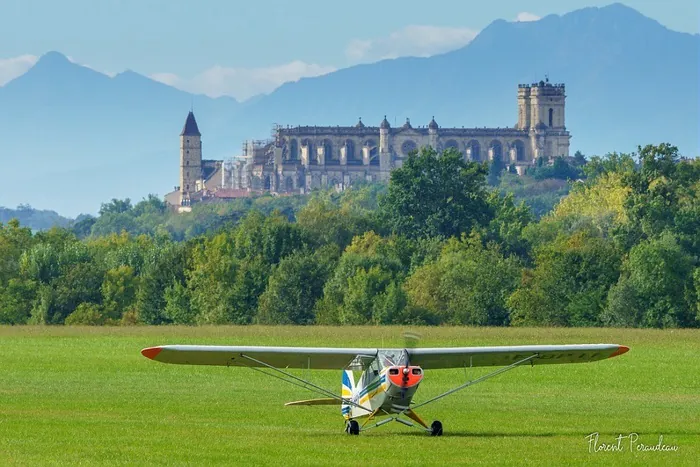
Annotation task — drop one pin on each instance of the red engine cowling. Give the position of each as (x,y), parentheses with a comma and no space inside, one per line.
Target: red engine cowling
(405,376)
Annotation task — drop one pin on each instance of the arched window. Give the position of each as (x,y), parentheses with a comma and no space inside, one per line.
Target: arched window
(289,184)
(293,150)
(519,150)
(497,148)
(551,118)
(408,146)
(328,150)
(452,144)
(475,150)
(350,149)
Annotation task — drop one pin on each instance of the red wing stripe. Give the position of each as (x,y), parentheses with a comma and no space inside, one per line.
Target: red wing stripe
(151,352)
(622,349)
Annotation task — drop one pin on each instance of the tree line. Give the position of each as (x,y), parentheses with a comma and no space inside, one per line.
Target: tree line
(438,245)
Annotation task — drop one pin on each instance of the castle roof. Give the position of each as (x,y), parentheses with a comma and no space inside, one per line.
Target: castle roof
(407,125)
(190,128)
(360,124)
(385,123)
(433,124)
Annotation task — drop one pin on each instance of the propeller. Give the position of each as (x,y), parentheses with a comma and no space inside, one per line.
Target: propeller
(411,340)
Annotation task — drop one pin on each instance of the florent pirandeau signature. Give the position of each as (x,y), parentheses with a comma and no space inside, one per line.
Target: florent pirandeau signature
(388,378)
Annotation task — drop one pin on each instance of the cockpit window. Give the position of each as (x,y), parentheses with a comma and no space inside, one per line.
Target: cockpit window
(393,358)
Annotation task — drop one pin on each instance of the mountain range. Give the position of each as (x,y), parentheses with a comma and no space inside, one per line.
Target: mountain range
(73,137)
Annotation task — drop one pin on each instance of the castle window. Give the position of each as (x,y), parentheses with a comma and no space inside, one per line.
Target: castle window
(519,150)
(551,118)
(474,150)
(293,150)
(408,147)
(187,162)
(496,150)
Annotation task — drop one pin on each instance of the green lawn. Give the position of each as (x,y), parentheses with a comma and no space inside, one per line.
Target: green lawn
(87,396)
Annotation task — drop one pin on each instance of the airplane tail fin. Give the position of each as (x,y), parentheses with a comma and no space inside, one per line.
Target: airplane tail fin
(347,391)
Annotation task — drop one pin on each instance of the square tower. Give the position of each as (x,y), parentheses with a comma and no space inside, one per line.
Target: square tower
(541,102)
(190,157)
(548,105)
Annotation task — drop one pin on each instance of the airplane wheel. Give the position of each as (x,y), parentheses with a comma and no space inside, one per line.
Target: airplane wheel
(353,428)
(436,428)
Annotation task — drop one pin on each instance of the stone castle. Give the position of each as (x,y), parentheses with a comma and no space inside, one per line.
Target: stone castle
(300,159)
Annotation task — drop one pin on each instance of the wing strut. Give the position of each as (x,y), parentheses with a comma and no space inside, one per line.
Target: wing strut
(295,380)
(409,411)
(478,380)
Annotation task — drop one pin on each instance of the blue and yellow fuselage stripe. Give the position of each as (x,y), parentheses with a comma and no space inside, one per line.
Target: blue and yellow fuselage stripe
(373,389)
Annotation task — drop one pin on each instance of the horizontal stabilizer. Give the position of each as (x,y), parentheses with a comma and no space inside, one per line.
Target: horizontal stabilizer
(326,401)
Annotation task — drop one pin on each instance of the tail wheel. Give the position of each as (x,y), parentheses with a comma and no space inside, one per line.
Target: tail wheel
(353,428)
(436,428)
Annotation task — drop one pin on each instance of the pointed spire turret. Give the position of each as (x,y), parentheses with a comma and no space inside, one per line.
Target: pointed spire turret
(190,128)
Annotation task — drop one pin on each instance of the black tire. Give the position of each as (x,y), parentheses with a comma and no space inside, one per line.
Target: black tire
(436,428)
(353,428)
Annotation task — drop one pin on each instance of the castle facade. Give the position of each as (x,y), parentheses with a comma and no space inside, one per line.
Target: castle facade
(300,159)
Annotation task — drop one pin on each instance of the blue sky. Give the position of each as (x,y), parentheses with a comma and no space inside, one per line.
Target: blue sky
(240,48)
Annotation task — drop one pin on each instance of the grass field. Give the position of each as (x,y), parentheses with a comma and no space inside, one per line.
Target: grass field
(87,396)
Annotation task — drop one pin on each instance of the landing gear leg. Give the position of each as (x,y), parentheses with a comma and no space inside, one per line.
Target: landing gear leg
(436,428)
(352,427)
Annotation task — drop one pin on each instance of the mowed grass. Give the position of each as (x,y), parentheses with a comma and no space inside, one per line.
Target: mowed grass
(78,395)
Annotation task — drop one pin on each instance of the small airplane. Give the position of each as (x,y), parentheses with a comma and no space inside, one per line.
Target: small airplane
(388,379)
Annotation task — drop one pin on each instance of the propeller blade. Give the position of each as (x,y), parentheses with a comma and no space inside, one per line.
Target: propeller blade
(411,339)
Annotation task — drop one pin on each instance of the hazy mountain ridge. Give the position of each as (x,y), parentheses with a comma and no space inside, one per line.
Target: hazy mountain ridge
(75,137)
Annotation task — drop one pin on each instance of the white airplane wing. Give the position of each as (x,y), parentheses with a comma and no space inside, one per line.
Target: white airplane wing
(333,358)
(315,358)
(459,357)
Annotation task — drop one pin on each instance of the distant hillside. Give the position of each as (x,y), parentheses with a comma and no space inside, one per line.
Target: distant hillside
(33,218)
(73,137)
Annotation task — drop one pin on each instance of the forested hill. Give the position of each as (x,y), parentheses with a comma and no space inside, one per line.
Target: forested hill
(35,219)
(440,246)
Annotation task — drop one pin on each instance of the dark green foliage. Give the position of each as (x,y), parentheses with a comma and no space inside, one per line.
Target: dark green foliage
(569,283)
(436,195)
(560,168)
(294,287)
(467,284)
(434,246)
(656,287)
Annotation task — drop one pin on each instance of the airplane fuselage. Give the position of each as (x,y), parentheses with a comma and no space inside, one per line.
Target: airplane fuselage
(386,387)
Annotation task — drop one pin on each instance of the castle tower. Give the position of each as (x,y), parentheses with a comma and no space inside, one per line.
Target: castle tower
(524,121)
(542,112)
(384,149)
(190,158)
(547,105)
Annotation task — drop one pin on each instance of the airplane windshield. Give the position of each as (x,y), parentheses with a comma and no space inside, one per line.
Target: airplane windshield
(393,358)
